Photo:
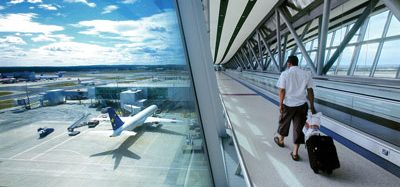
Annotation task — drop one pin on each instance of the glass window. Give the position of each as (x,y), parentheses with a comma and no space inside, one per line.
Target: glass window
(308,45)
(312,57)
(91,69)
(339,35)
(302,61)
(329,39)
(356,35)
(315,44)
(288,52)
(366,59)
(330,53)
(394,27)
(344,61)
(388,63)
(375,26)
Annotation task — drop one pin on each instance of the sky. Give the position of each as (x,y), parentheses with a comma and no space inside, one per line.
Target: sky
(89,32)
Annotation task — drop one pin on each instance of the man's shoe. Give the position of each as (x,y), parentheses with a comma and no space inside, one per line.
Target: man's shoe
(276,140)
(294,157)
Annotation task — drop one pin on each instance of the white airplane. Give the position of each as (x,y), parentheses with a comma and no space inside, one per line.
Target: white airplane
(125,125)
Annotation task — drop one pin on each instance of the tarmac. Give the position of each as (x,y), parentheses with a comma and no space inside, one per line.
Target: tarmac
(153,157)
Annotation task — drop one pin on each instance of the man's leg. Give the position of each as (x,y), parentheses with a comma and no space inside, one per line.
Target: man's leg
(299,120)
(284,122)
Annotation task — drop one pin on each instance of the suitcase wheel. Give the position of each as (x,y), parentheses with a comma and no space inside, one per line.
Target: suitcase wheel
(316,171)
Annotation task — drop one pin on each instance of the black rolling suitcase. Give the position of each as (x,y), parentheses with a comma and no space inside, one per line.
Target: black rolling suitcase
(322,154)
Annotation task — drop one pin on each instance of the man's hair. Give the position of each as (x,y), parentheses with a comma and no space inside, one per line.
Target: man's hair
(293,60)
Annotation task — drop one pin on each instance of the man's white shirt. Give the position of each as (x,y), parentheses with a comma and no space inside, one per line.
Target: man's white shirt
(295,81)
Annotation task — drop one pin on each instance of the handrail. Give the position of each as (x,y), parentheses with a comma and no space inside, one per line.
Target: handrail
(238,152)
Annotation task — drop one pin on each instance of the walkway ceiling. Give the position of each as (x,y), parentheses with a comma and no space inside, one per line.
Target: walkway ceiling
(232,23)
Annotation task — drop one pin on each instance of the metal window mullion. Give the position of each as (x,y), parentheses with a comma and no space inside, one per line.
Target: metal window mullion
(323,36)
(240,56)
(338,63)
(237,62)
(398,73)
(298,41)
(330,47)
(278,40)
(254,63)
(380,46)
(393,6)
(361,19)
(237,56)
(249,57)
(246,57)
(305,31)
(241,62)
(261,52)
(254,54)
(268,50)
(284,51)
(357,48)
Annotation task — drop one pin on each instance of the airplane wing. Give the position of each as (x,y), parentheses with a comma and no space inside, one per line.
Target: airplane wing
(110,132)
(165,120)
(104,132)
(101,119)
(128,133)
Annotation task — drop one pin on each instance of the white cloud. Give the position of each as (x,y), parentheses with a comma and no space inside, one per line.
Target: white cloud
(16,1)
(52,38)
(144,27)
(47,7)
(2,7)
(74,53)
(109,9)
(81,1)
(12,40)
(43,38)
(129,1)
(23,23)
(34,1)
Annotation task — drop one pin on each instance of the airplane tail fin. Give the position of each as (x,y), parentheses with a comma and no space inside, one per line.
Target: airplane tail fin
(116,122)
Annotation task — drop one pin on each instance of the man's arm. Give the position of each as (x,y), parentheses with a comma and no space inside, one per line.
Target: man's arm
(282,93)
(310,96)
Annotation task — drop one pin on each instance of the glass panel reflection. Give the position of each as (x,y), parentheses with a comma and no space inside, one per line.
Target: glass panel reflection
(388,63)
(365,59)
(97,92)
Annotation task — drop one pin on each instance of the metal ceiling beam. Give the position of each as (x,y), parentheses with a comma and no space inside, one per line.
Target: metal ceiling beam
(394,6)
(240,61)
(247,58)
(278,40)
(305,31)
(268,50)
(254,54)
(260,52)
(350,35)
(323,35)
(255,63)
(298,41)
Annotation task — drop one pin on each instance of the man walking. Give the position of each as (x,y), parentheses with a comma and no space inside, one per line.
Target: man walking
(295,86)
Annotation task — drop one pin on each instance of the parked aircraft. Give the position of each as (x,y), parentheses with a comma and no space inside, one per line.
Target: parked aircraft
(125,125)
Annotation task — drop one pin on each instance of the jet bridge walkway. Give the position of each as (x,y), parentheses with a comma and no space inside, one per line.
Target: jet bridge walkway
(254,118)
